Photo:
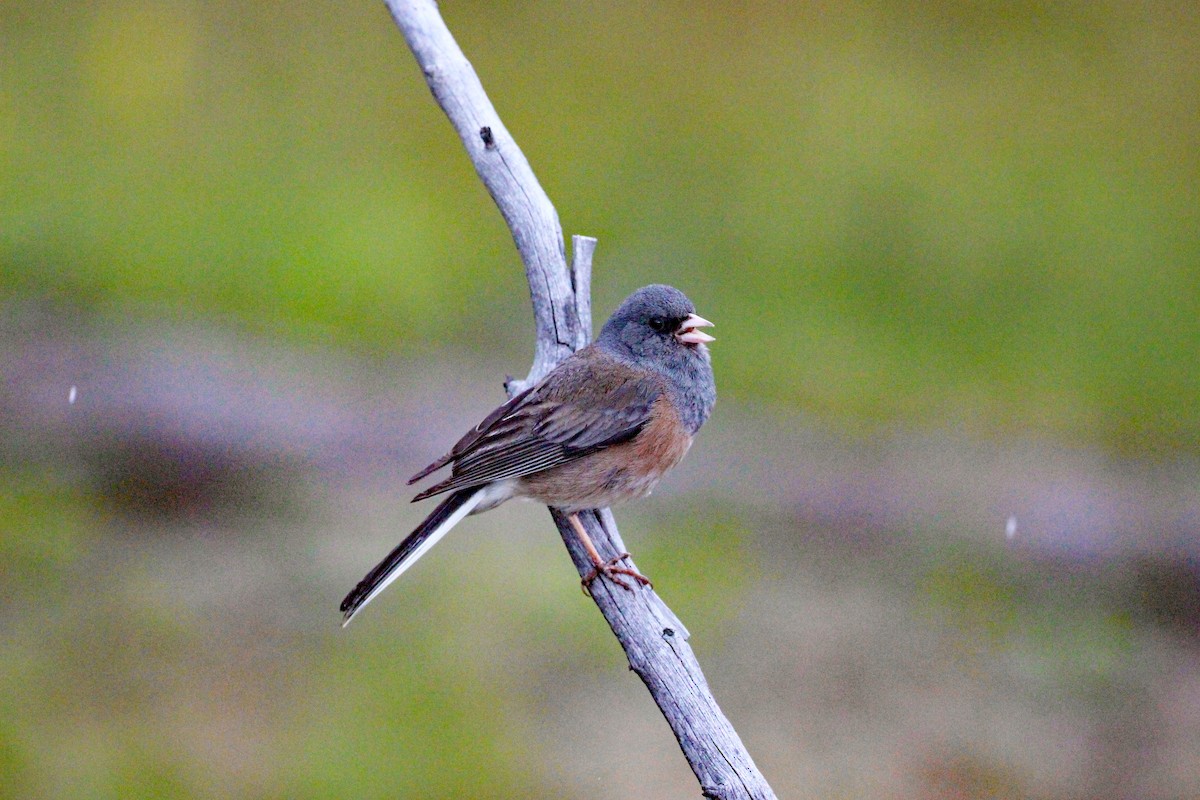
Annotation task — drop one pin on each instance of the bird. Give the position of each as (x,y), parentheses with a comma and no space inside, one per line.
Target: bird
(602,427)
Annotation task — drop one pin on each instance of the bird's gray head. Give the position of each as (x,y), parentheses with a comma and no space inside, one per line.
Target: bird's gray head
(655,321)
(657,327)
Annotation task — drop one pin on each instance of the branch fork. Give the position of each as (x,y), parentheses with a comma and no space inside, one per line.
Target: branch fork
(654,639)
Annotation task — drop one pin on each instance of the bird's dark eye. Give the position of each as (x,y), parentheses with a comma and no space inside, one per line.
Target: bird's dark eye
(659,324)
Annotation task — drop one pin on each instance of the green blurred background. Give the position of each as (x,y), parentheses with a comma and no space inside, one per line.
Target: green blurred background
(953,255)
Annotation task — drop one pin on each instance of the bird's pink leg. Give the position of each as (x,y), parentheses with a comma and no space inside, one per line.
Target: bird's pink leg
(602,567)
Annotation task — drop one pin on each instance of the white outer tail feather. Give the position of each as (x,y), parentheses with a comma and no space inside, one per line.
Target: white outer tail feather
(489,496)
(433,538)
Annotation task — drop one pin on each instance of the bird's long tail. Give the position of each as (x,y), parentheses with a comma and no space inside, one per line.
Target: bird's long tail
(415,545)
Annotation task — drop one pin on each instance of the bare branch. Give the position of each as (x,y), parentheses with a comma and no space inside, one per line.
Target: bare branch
(654,639)
(582,249)
(504,171)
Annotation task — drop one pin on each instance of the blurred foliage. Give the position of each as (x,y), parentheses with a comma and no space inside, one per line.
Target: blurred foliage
(955,216)
(981,215)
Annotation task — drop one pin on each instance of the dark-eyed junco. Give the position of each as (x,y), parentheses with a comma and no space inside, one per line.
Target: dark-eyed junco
(602,427)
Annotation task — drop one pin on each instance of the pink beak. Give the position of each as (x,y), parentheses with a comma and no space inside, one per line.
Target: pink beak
(688,334)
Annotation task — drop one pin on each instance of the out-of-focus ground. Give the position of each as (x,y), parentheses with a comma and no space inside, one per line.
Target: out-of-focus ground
(862,610)
(940,540)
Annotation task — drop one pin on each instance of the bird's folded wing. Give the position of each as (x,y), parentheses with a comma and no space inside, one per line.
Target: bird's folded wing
(551,424)
(475,433)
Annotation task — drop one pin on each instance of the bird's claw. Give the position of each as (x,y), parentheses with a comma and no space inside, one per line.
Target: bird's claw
(611,569)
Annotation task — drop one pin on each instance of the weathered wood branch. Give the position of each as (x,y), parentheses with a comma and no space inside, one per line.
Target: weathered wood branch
(505,172)
(654,640)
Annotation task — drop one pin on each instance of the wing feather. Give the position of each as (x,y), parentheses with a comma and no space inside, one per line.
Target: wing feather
(549,425)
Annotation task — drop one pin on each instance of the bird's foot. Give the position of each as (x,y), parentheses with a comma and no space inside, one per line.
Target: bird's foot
(612,570)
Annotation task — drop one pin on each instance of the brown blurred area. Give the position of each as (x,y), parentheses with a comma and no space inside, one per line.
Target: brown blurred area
(862,613)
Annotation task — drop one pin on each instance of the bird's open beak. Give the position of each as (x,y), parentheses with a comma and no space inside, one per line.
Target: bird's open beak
(688,334)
